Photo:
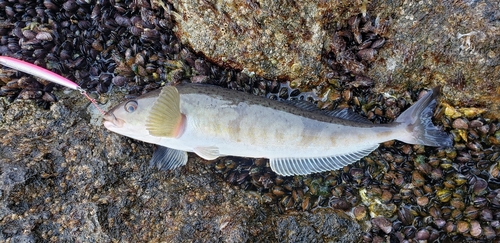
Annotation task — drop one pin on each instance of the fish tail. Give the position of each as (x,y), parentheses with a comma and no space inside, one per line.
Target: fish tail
(417,121)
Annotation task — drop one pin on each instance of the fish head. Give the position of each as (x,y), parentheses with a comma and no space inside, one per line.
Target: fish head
(129,117)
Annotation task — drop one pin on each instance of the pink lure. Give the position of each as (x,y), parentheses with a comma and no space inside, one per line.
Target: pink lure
(44,74)
(38,71)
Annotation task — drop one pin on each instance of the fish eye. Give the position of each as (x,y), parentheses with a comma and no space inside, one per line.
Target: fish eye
(131,106)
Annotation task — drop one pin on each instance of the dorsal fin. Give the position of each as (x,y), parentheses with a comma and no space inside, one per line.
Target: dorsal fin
(302,104)
(347,114)
(344,114)
(304,166)
(166,119)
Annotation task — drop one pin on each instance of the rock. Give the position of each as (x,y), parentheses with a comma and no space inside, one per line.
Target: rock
(321,226)
(283,41)
(428,47)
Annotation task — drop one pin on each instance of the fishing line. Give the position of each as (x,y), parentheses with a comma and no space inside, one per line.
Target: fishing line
(43,73)
(84,93)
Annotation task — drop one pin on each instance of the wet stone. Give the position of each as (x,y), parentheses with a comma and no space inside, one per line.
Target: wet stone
(318,227)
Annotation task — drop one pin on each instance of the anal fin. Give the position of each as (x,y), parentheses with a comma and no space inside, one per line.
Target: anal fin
(208,153)
(168,159)
(304,166)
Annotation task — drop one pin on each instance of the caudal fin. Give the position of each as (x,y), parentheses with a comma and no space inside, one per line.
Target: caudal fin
(418,122)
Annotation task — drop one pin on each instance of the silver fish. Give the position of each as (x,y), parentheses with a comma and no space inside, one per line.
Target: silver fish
(296,137)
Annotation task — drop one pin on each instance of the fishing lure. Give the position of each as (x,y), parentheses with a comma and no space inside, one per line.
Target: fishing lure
(43,73)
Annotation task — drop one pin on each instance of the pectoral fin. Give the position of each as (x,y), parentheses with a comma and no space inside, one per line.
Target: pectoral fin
(208,153)
(304,166)
(166,119)
(168,159)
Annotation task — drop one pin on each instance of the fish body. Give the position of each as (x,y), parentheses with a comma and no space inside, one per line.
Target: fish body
(297,138)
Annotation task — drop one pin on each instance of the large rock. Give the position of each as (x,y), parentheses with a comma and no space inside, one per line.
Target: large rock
(455,44)
(272,39)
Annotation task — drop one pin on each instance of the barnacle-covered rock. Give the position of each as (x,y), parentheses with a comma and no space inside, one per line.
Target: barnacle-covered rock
(277,41)
(429,47)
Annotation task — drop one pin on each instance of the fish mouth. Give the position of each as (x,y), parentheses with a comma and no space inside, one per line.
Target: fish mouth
(110,121)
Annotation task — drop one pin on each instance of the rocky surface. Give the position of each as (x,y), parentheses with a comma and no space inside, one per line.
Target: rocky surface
(453,44)
(282,40)
(63,178)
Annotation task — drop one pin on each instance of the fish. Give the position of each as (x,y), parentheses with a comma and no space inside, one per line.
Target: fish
(296,137)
